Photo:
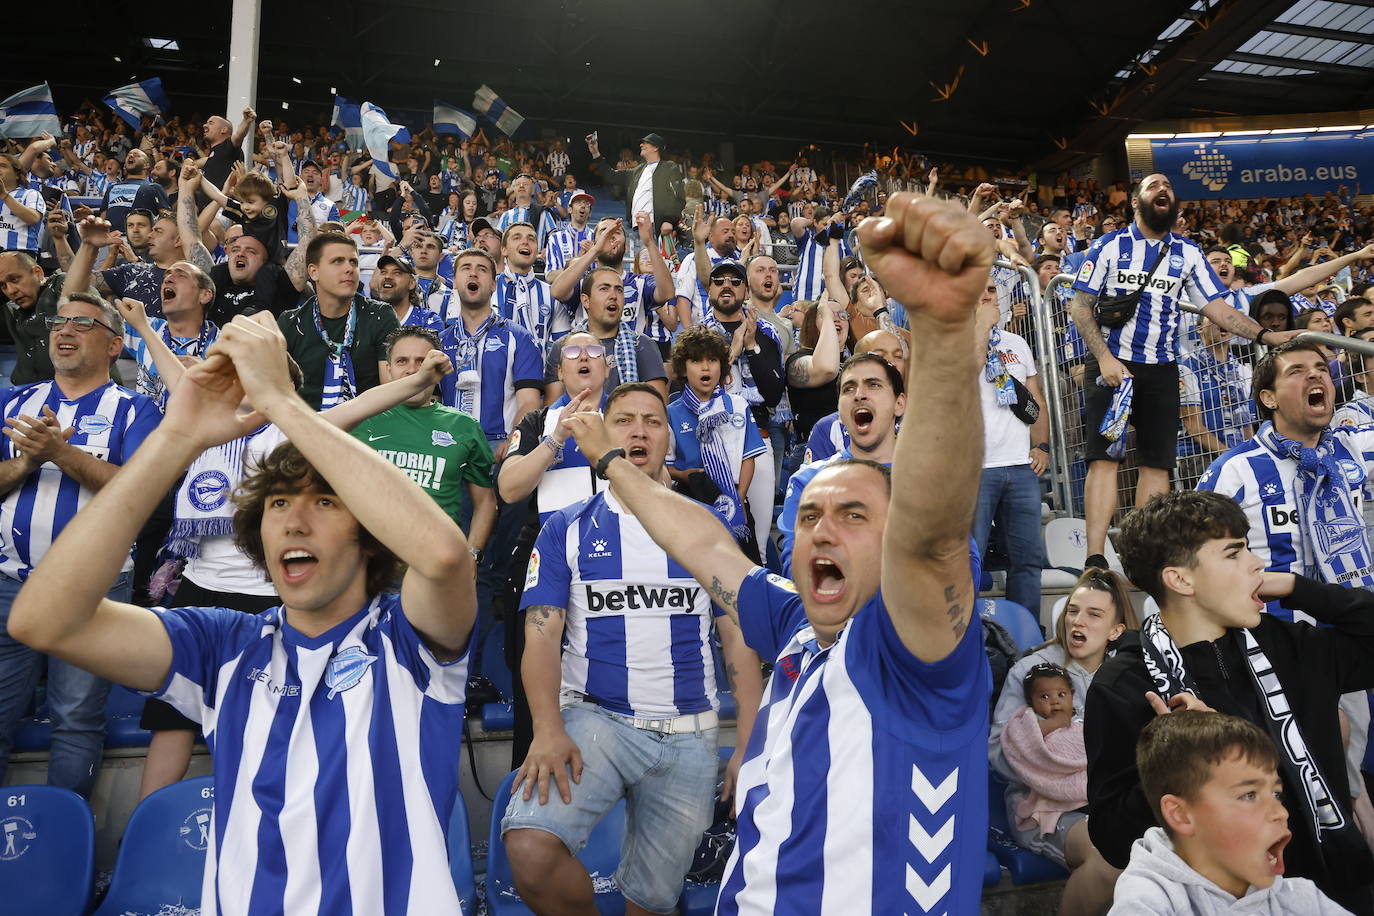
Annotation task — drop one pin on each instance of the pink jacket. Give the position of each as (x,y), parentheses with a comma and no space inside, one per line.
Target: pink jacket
(1053,767)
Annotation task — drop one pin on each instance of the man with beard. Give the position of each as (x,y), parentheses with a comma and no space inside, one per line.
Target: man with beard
(32,298)
(139,280)
(394,283)
(713,240)
(1148,259)
(649,298)
(566,244)
(134,192)
(755,373)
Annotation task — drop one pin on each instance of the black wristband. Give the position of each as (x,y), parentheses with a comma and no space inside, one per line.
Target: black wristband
(606,460)
(1259,338)
(880,310)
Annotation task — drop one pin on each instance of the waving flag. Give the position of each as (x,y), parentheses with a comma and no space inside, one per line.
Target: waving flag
(487,102)
(377,132)
(450,120)
(136,100)
(861,186)
(348,117)
(29,113)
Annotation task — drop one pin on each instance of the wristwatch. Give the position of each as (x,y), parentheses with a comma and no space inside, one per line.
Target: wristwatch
(1043,446)
(606,460)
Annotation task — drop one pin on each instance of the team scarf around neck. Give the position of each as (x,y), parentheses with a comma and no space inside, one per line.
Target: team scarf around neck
(340,384)
(995,371)
(748,389)
(625,352)
(1164,662)
(467,360)
(520,304)
(203,507)
(1329,520)
(1118,415)
(150,381)
(713,419)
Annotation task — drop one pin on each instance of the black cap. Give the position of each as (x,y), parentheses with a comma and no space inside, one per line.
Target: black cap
(402,263)
(655,140)
(729,266)
(310,162)
(480,223)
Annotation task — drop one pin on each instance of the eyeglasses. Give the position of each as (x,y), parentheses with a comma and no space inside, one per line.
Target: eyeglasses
(721,281)
(80,322)
(842,315)
(575,351)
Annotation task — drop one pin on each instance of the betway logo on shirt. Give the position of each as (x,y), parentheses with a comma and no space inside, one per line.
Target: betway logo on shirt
(641,598)
(1131,280)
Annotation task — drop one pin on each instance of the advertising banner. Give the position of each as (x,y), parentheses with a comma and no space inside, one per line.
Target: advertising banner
(1277,165)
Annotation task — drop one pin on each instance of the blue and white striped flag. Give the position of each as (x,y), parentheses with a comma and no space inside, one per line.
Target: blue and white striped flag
(29,113)
(487,102)
(348,117)
(377,132)
(451,120)
(134,101)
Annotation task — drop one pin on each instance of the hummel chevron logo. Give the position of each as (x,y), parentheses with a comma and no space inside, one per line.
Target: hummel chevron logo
(927,895)
(933,798)
(930,847)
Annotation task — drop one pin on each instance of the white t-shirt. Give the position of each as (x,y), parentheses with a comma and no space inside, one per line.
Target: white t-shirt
(1006,440)
(644,191)
(221,566)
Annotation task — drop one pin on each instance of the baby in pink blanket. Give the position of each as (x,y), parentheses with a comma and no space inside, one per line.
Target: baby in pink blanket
(1044,747)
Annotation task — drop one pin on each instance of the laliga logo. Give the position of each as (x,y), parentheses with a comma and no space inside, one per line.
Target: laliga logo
(1211,168)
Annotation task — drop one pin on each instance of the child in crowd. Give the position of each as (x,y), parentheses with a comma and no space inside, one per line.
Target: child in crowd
(1043,744)
(256,207)
(1213,782)
(715,436)
(1097,615)
(1212,647)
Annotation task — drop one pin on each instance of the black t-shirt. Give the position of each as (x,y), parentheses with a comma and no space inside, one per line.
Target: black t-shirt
(810,404)
(271,290)
(223,155)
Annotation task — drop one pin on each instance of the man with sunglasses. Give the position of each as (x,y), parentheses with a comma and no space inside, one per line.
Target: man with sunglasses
(64,439)
(755,372)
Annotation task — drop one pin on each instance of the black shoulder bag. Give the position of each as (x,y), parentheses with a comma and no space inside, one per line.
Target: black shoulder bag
(1115,311)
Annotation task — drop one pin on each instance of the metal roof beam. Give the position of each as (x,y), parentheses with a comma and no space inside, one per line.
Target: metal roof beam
(1311,31)
(1297,63)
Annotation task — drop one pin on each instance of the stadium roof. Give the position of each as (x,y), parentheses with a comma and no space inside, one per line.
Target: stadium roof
(1017,81)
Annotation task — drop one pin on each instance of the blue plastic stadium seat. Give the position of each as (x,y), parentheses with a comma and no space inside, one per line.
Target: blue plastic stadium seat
(33,734)
(1019,622)
(992,870)
(1025,866)
(493,662)
(47,851)
(162,856)
(460,856)
(601,857)
(123,709)
(498,717)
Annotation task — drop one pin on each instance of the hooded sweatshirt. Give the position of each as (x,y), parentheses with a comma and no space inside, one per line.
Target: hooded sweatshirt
(1158,882)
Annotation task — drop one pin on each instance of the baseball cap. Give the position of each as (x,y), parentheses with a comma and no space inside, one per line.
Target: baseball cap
(311,162)
(654,139)
(480,223)
(729,266)
(390,260)
(579,193)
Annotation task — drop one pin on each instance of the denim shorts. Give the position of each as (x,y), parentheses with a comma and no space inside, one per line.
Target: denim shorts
(668,783)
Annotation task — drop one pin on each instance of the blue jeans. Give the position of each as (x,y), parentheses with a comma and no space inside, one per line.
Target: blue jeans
(1010,496)
(669,786)
(76,701)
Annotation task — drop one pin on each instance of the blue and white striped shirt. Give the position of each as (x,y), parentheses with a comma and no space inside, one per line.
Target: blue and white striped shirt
(864,783)
(421,317)
(566,244)
(636,639)
(149,379)
(324,210)
(526,300)
(336,759)
(515,215)
(110,422)
(355,197)
(97,183)
(1266,488)
(1118,263)
(810,278)
(15,234)
(503,358)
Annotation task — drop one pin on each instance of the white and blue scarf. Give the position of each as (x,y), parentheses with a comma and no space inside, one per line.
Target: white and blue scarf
(715,424)
(467,360)
(203,505)
(1118,415)
(340,384)
(1329,521)
(743,374)
(995,371)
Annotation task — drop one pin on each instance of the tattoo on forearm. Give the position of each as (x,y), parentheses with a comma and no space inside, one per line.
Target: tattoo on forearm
(731,675)
(957,613)
(723,596)
(799,372)
(1081,310)
(1237,323)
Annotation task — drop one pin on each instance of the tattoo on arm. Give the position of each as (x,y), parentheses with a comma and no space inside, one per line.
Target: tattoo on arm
(1081,310)
(958,614)
(538,615)
(723,596)
(1238,323)
(731,675)
(799,372)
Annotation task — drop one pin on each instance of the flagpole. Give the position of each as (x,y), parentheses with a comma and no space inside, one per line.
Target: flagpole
(243,66)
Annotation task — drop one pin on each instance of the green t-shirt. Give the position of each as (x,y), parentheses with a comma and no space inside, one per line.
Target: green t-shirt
(442,450)
(375,321)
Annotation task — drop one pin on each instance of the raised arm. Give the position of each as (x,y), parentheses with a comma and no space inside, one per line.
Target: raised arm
(169,366)
(689,532)
(658,268)
(701,231)
(307,225)
(1310,276)
(438,589)
(36,147)
(95,233)
(830,270)
(773,188)
(26,214)
(188,223)
(245,124)
(933,257)
(822,365)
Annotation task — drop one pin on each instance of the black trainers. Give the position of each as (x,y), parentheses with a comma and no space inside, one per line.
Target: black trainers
(1097,560)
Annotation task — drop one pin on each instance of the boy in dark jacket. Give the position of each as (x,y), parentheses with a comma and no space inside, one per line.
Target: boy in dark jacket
(1211,647)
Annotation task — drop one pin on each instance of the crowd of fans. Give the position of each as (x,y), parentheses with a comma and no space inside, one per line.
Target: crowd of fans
(755,343)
